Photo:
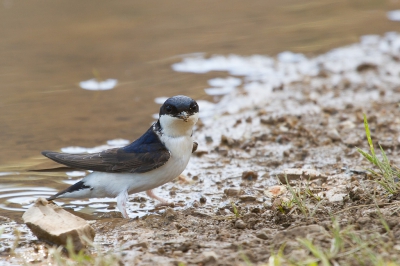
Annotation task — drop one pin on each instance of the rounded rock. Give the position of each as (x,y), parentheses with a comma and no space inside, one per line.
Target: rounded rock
(239,224)
(249,175)
(203,200)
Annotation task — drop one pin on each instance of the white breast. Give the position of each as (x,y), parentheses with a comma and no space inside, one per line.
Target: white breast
(180,149)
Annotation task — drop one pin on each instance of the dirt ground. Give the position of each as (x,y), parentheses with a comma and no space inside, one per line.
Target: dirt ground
(230,208)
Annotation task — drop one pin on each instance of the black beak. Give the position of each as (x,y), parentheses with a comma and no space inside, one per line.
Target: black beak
(184,116)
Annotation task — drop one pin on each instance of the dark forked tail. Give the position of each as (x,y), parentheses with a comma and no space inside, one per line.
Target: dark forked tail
(75,187)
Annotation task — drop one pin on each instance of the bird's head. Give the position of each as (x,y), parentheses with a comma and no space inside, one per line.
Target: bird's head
(178,115)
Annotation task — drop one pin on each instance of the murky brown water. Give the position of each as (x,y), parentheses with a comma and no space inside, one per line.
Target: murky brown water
(47,48)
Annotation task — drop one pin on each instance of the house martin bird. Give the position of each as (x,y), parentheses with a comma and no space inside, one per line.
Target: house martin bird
(157,157)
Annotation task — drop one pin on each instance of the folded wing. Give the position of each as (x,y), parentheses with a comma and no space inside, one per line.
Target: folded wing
(112,161)
(143,155)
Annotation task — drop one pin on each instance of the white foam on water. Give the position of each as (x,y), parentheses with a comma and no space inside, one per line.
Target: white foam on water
(118,142)
(8,173)
(160,100)
(91,200)
(393,15)
(23,196)
(98,205)
(24,201)
(260,75)
(98,148)
(95,85)
(115,143)
(225,82)
(290,57)
(74,149)
(75,173)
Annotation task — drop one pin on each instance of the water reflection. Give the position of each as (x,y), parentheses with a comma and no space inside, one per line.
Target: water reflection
(21,198)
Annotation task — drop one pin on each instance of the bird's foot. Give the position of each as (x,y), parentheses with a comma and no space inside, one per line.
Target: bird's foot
(163,203)
(182,179)
(122,198)
(151,194)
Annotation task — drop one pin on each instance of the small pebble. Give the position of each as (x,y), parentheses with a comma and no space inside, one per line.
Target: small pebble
(183,230)
(178,253)
(262,235)
(161,251)
(227,141)
(293,174)
(233,191)
(138,199)
(239,224)
(203,200)
(223,152)
(170,214)
(275,191)
(249,175)
(209,258)
(178,226)
(333,134)
(247,198)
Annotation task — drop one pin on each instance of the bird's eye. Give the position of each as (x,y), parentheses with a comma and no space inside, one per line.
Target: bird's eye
(168,109)
(194,107)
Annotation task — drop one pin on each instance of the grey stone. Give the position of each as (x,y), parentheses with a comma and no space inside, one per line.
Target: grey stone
(239,224)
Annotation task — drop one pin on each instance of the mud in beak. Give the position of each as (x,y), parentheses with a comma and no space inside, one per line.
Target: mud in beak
(184,116)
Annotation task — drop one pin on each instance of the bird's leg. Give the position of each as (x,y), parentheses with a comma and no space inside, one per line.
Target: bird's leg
(151,194)
(183,179)
(122,198)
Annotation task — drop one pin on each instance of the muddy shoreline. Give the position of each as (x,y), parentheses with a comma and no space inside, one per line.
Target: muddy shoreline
(226,210)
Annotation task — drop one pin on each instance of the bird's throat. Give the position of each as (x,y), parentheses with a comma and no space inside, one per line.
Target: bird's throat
(177,127)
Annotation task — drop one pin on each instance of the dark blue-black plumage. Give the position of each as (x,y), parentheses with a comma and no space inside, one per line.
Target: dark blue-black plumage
(144,154)
(148,142)
(75,187)
(174,106)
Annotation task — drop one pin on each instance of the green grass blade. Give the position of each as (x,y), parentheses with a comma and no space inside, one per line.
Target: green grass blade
(368,133)
(318,253)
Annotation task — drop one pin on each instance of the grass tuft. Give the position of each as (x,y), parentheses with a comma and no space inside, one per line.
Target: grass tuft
(82,258)
(347,247)
(277,259)
(235,210)
(387,176)
(318,253)
(300,199)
